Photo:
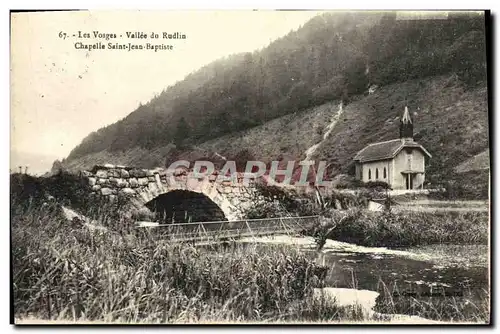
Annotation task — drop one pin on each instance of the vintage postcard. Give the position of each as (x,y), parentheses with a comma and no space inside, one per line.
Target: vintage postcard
(265,166)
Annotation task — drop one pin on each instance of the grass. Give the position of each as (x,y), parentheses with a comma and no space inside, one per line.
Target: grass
(65,273)
(387,229)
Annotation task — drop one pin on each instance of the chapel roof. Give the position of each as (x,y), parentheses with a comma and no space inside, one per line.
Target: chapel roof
(386,150)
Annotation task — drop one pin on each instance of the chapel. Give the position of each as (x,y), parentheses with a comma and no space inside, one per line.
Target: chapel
(397,162)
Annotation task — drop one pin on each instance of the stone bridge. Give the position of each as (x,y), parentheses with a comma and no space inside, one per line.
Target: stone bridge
(176,196)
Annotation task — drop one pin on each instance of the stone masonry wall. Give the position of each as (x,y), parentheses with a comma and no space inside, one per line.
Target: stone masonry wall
(142,186)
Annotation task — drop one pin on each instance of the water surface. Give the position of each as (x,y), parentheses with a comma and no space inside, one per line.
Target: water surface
(452,278)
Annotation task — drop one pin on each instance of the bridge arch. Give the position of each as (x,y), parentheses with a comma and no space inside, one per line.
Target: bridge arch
(188,199)
(143,188)
(183,206)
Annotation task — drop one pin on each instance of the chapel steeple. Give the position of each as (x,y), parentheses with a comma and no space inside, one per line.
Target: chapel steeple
(406,126)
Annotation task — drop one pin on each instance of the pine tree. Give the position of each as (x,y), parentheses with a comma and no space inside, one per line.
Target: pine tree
(182,132)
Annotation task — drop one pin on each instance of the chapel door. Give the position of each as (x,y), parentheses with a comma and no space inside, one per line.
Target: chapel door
(409,181)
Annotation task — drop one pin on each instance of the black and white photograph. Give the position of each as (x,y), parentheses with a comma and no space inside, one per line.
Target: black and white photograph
(250,167)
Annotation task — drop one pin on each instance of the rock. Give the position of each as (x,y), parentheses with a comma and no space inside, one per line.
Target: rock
(127,192)
(121,183)
(137,173)
(101,174)
(149,172)
(153,187)
(124,173)
(180,171)
(96,187)
(92,181)
(102,181)
(236,202)
(143,181)
(133,182)
(192,183)
(115,173)
(106,191)
(158,180)
(109,166)
(112,198)
(151,178)
(180,179)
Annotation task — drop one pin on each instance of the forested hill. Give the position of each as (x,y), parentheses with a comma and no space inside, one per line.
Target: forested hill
(334,56)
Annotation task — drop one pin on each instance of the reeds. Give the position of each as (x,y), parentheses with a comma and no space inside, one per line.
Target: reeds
(387,229)
(465,307)
(63,272)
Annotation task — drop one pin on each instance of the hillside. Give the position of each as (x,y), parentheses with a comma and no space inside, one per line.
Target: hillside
(450,120)
(334,56)
(276,103)
(480,161)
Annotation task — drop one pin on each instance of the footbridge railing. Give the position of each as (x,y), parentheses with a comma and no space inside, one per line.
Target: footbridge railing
(230,230)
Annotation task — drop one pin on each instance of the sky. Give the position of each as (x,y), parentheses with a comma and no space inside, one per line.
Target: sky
(60,94)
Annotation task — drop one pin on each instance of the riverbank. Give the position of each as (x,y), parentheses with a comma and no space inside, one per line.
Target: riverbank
(400,229)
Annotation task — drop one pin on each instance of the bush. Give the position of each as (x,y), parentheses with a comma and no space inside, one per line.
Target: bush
(389,229)
(29,194)
(352,183)
(349,184)
(26,192)
(338,200)
(278,202)
(379,185)
(472,185)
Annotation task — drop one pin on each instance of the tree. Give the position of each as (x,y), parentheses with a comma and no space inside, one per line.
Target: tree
(182,132)
(242,158)
(57,167)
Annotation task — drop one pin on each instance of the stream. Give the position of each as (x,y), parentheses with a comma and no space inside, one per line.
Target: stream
(449,279)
